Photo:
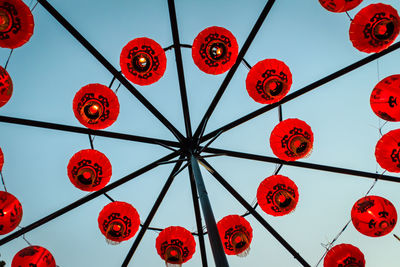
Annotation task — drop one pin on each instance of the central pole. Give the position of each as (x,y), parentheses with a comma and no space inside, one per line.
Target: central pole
(213,235)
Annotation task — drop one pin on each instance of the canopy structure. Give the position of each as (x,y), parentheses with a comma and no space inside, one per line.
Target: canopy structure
(192,148)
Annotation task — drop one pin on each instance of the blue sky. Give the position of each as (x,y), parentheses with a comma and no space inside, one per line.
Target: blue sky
(53,66)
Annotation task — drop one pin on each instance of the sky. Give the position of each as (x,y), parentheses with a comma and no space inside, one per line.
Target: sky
(53,66)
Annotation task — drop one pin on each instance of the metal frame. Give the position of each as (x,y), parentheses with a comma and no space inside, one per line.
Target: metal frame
(188,148)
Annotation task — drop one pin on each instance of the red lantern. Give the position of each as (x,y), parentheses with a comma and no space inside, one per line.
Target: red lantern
(33,256)
(96,106)
(374,28)
(268,81)
(291,139)
(339,5)
(118,221)
(89,170)
(16,23)
(277,195)
(374,216)
(143,61)
(384,98)
(236,235)
(6,86)
(215,50)
(387,151)
(1,159)
(344,255)
(10,212)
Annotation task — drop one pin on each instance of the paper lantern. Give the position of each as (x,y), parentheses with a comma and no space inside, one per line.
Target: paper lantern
(344,255)
(215,50)
(339,5)
(268,81)
(387,151)
(143,61)
(374,28)
(175,245)
(33,256)
(6,86)
(291,139)
(374,216)
(10,212)
(16,23)
(1,159)
(277,195)
(236,235)
(89,170)
(384,98)
(96,106)
(118,221)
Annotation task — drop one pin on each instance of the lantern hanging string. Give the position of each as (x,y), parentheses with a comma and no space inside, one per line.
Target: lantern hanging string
(2,180)
(8,59)
(33,8)
(347,13)
(330,245)
(244,62)
(23,237)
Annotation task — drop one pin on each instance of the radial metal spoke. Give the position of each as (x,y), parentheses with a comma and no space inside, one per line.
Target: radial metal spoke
(110,68)
(85,199)
(152,213)
(232,71)
(256,215)
(74,129)
(302,91)
(313,166)
(179,67)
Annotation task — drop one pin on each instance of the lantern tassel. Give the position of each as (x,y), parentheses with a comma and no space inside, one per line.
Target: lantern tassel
(244,253)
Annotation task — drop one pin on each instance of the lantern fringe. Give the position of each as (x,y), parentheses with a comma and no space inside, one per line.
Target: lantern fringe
(244,253)
(167,264)
(111,242)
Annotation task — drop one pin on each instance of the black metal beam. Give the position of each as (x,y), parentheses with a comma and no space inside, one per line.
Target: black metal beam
(199,223)
(179,67)
(85,199)
(313,166)
(256,215)
(213,235)
(153,211)
(110,68)
(302,91)
(232,71)
(74,129)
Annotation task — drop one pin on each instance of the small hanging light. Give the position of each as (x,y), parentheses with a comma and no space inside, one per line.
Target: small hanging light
(215,50)
(11,212)
(385,97)
(143,61)
(96,106)
(236,235)
(387,151)
(33,256)
(1,159)
(6,86)
(89,170)
(374,216)
(16,23)
(277,195)
(374,28)
(118,221)
(291,139)
(339,5)
(175,245)
(344,255)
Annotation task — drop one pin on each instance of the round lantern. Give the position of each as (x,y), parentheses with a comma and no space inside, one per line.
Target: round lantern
(344,255)
(374,216)
(143,61)
(6,86)
(1,159)
(374,28)
(96,106)
(277,195)
(175,245)
(236,235)
(214,50)
(387,151)
(291,139)
(33,256)
(339,5)
(384,98)
(89,170)
(268,81)
(10,212)
(16,23)
(118,221)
